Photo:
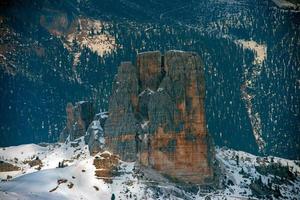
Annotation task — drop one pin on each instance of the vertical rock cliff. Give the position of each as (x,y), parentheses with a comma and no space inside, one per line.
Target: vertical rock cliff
(121,124)
(156,115)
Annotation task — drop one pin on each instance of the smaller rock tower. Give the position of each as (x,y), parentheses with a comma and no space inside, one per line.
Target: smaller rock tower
(78,119)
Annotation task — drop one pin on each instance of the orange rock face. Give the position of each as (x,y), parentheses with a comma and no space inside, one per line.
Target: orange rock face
(149,68)
(170,132)
(106,166)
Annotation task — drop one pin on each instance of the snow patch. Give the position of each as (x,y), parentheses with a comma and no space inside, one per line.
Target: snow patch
(260,53)
(260,50)
(146,91)
(90,34)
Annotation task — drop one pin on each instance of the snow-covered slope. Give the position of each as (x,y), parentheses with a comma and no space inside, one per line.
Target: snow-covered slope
(241,176)
(50,156)
(31,183)
(245,174)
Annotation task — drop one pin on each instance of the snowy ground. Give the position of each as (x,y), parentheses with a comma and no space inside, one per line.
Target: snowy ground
(244,173)
(30,183)
(78,181)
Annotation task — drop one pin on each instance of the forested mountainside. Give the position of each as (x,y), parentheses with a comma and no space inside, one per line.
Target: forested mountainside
(54,52)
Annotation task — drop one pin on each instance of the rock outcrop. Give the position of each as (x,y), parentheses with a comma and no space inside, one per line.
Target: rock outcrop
(82,121)
(157,116)
(79,118)
(94,137)
(106,165)
(6,167)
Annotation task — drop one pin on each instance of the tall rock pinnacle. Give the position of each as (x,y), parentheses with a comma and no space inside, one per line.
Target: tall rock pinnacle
(157,116)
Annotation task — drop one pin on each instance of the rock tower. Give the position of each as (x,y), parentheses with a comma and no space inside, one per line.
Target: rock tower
(157,116)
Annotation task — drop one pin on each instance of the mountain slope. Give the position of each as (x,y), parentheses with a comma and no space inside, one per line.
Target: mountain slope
(242,177)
